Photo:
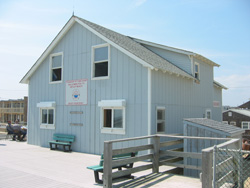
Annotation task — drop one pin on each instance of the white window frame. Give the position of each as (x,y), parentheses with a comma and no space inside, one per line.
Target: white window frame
(230,114)
(50,68)
(161,120)
(112,105)
(248,122)
(232,123)
(93,62)
(206,115)
(47,106)
(195,72)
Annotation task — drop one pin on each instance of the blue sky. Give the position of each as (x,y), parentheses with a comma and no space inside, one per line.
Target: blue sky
(216,29)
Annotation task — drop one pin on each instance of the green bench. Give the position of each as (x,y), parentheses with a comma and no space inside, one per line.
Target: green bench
(99,168)
(62,139)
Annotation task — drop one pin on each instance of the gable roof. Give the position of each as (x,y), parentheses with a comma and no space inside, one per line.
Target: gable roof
(239,111)
(126,44)
(222,127)
(245,105)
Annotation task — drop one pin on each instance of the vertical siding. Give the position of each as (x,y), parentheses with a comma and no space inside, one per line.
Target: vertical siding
(180,60)
(198,145)
(128,80)
(217,111)
(182,98)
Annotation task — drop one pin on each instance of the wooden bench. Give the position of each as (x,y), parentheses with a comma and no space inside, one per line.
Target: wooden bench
(62,139)
(99,168)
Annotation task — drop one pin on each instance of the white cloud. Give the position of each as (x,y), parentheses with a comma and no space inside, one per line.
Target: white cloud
(238,89)
(235,81)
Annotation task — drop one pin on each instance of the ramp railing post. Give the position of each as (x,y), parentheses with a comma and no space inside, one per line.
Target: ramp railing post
(156,153)
(107,165)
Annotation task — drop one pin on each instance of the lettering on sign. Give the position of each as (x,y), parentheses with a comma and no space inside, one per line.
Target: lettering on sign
(76,92)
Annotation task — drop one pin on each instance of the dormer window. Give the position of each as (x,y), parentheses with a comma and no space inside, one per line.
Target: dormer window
(56,67)
(100,61)
(197,71)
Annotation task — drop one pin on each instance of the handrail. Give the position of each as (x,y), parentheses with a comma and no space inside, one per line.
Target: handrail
(157,154)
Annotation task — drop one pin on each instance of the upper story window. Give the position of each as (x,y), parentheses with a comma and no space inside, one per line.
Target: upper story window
(230,114)
(100,61)
(197,70)
(160,119)
(56,67)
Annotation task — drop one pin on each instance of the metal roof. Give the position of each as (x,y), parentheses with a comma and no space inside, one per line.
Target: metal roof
(229,129)
(240,111)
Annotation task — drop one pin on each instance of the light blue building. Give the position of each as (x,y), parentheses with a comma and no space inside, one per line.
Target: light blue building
(100,85)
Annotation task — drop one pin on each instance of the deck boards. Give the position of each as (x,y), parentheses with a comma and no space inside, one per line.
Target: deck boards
(29,166)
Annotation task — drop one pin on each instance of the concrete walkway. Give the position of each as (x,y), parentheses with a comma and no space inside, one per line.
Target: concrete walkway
(28,166)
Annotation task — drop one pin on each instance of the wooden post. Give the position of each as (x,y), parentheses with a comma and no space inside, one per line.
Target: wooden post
(107,165)
(207,171)
(156,154)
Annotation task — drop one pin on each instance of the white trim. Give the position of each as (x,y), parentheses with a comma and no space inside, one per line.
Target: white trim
(50,68)
(248,124)
(112,103)
(160,108)
(49,104)
(52,45)
(208,110)
(195,63)
(46,125)
(149,100)
(93,61)
(114,44)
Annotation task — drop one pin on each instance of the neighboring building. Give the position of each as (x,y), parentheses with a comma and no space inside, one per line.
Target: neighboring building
(100,85)
(12,110)
(245,105)
(238,117)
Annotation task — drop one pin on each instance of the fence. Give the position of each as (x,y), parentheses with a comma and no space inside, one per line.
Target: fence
(160,154)
(231,168)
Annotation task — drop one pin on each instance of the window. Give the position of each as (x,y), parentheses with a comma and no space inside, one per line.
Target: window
(160,119)
(233,123)
(230,114)
(100,62)
(196,71)
(208,114)
(245,125)
(56,67)
(47,115)
(112,116)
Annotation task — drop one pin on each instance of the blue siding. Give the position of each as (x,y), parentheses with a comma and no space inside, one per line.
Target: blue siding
(183,98)
(180,60)
(128,80)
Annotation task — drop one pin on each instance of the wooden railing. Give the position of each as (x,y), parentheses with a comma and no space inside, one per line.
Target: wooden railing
(158,155)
